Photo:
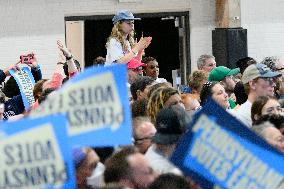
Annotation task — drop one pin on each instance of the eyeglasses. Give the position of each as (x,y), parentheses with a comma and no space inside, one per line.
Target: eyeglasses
(270,80)
(140,140)
(279,69)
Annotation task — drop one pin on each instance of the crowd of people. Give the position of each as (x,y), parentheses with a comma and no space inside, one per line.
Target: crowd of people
(253,92)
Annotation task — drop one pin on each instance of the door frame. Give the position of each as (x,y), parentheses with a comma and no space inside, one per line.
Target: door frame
(184,55)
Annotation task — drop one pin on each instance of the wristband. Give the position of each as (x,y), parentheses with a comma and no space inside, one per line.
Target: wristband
(69,58)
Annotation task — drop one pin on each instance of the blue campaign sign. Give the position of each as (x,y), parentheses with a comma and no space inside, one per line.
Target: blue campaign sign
(96,105)
(219,150)
(35,153)
(26,82)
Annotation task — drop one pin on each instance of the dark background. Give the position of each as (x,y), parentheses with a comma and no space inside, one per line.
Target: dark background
(164,46)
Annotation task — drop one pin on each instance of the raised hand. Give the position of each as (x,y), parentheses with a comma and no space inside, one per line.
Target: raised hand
(143,43)
(64,49)
(148,42)
(12,67)
(34,62)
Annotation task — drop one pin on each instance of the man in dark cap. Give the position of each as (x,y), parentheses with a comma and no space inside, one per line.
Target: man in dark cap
(171,124)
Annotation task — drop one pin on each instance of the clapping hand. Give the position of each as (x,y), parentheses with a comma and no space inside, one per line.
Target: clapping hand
(143,43)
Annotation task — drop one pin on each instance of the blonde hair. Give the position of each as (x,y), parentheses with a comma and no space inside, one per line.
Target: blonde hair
(247,86)
(196,78)
(157,100)
(202,59)
(117,33)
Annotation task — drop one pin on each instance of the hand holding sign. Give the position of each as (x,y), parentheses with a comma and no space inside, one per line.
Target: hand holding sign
(14,67)
(25,81)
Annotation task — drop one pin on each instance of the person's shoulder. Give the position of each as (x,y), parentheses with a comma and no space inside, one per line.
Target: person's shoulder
(243,113)
(246,106)
(114,43)
(113,40)
(243,106)
(151,153)
(161,80)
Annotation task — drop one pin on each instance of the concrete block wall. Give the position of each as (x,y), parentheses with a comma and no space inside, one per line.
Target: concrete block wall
(27,26)
(202,22)
(35,25)
(264,21)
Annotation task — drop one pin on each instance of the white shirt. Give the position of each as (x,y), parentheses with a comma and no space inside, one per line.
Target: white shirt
(161,80)
(160,163)
(243,113)
(115,51)
(129,91)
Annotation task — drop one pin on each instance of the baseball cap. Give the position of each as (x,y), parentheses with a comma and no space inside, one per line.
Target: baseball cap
(171,123)
(78,156)
(123,15)
(220,72)
(258,70)
(134,63)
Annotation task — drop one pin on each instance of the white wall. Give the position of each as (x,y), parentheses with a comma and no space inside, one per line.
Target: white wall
(202,22)
(264,20)
(35,25)
(32,25)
